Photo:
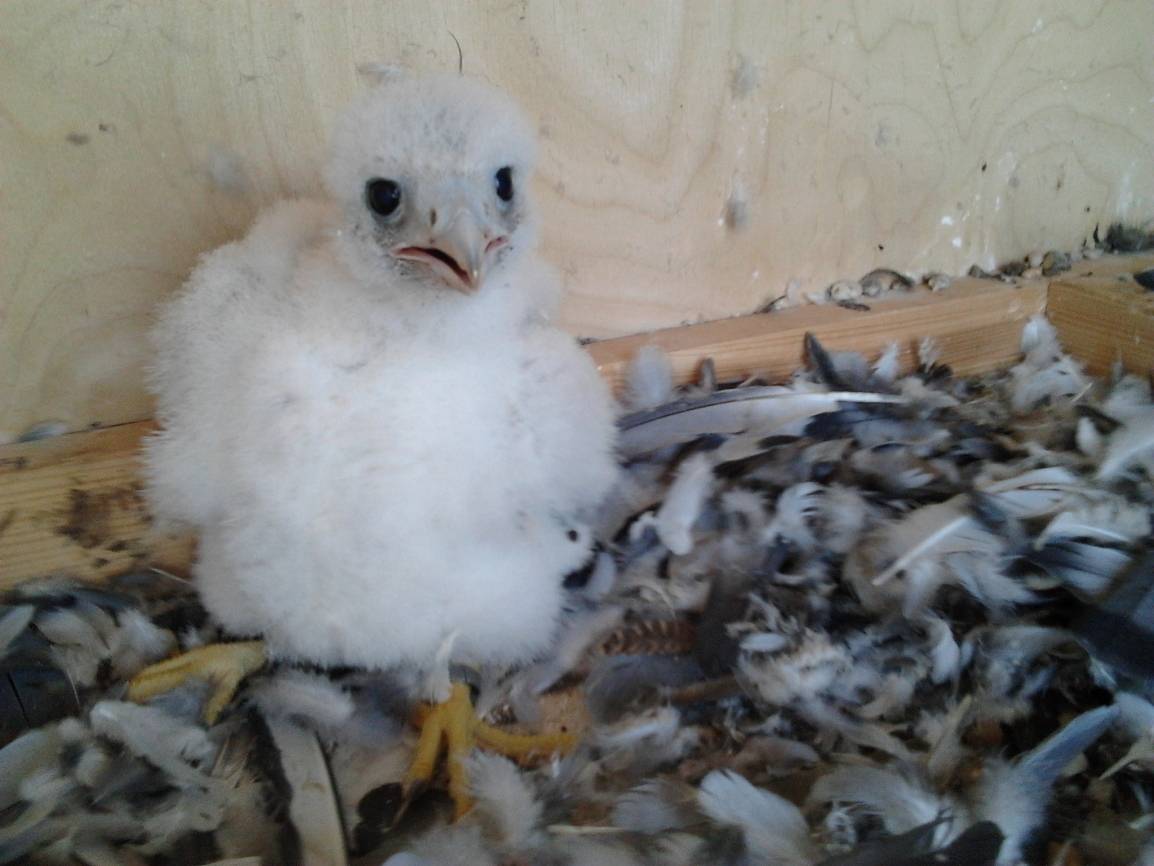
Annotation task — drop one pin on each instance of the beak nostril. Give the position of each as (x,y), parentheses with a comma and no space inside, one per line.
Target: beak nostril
(433,218)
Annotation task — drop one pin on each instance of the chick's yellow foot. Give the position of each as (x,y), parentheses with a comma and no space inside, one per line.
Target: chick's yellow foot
(222,664)
(455,724)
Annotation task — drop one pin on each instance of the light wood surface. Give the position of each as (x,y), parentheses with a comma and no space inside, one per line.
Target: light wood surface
(696,156)
(71,506)
(1105,320)
(976,324)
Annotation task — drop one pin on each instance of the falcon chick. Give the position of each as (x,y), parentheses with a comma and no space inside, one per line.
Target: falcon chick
(386,448)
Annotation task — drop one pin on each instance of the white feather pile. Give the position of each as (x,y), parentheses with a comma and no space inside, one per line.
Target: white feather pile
(78,639)
(775,831)
(505,801)
(310,698)
(902,801)
(183,751)
(640,744)
(656,806)
(1132,443)
(137,642)
(945,543)
(1046,373)
(592,851)
(451,846)
(923,547)
(1108,521)
(806,671)
(795,508)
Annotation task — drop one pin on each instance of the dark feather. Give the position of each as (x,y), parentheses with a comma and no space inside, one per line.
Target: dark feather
(892,849)
(1102,422)
(715,648)
(844,371)
(13,722)
(1119,628)
(620,684)
(1121,238)
(977,846)
(42,691)
(989,513)
(1083,567)
(823,362)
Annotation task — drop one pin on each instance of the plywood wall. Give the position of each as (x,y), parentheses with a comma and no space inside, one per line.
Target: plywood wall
(697,156)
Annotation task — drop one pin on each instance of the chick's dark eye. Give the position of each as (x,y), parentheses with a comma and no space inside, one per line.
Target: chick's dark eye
(503,180)
(383,196)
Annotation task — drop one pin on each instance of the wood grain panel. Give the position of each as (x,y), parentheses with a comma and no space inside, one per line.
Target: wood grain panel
(72,506)
(697,156)
(976,324)
(1104,321)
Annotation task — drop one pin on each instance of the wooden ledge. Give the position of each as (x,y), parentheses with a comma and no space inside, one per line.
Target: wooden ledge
(1104,320)
(976,324)
(72,505)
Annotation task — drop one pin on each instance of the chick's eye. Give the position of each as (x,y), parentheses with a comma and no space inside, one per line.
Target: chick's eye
(503,180)
(383,196)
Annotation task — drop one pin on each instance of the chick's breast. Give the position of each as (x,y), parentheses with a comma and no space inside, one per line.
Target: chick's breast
(384,495)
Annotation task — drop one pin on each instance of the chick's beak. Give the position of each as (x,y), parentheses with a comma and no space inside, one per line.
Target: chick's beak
(458,249)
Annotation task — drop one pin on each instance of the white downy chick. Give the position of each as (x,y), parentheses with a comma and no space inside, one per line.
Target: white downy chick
(366,415)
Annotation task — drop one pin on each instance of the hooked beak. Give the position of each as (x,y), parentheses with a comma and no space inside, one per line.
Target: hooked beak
(459,252)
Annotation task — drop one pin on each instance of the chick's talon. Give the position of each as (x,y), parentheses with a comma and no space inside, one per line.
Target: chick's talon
(455,722)
(225,665)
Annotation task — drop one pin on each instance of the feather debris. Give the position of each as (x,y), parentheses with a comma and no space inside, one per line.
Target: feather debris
(766,411)
(775,830)
(683,502)
(649,379)
(851,718)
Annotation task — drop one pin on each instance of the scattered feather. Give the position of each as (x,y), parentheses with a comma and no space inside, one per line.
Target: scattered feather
(775,831)
(504,800)
(902,801)
(656,806)
(683,503)
(649,378)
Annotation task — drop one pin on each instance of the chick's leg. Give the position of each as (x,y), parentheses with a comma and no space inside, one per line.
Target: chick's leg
(225,665)
(455,722)
(452,723)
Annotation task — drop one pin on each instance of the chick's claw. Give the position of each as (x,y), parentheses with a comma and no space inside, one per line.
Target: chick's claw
(455,722)
(224,665)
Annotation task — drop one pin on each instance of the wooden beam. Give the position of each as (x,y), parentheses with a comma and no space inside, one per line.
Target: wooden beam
(72,505)
(976,324)
(1104,320)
